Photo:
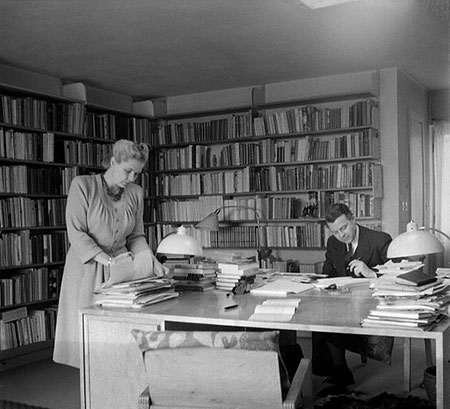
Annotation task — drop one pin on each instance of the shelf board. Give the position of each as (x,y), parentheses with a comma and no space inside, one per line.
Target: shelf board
(32,228)
(35,265)
(269,164)
(29,304)
(25,349)
(33,195)
(318,100)
(257,138)
(36,163)
(206,114)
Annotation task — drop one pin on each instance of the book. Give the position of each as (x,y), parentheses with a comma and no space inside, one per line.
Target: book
(15,314)
(190,285)
(415,278)
(238,267)
(194,286)
(136,293)
(366,322)
(275,310)
(407,314)
(140,302)
(390,284)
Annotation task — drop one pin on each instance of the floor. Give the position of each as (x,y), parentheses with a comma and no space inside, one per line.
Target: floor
(54,386)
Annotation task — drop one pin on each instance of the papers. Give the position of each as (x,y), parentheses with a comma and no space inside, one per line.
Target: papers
(281,310)
(281,287)
(340,282)
(136,294)
(404,266)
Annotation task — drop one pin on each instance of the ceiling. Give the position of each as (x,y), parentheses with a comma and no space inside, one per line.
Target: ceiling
(155,48)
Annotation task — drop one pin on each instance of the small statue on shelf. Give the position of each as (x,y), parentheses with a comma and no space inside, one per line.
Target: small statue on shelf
(312,207)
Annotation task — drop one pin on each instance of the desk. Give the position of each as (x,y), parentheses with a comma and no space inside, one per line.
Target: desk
(112,371)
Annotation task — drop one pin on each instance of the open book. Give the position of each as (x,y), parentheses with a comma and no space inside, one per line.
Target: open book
(275,310)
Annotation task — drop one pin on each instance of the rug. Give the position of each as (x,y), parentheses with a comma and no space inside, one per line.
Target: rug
(4,404)
(382,401)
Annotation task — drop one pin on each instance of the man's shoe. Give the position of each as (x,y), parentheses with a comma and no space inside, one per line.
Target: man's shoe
(329,387)
(342,375)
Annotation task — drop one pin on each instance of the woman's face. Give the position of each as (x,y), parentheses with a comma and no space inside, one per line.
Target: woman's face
(125,172)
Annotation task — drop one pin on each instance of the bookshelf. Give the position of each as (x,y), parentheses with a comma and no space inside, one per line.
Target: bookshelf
(46,140)
(288,161)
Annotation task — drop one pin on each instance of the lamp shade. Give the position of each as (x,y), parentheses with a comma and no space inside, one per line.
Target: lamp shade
(414,242)
(180,243)
(210,222)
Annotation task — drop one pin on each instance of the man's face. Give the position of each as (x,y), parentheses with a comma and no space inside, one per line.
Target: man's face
(343,229)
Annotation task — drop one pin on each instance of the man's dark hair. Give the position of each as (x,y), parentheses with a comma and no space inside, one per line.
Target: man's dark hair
(337,210)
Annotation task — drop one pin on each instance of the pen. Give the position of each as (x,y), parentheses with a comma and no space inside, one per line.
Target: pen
(230,307)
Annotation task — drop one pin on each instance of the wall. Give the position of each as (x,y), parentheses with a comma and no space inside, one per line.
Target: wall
(440,105)
(400,98)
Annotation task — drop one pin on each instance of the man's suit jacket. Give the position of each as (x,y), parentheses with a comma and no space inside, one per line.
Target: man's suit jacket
(372,249)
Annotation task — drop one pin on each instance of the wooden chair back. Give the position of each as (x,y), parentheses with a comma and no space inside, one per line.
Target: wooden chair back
(213,378)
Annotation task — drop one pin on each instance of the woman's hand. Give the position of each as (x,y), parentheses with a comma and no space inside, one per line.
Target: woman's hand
(146,264)
(158,269)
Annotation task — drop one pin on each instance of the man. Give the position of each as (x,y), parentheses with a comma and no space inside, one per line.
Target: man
(352,250)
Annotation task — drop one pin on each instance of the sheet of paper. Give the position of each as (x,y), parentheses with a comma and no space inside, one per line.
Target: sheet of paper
(340,282)
(281,288)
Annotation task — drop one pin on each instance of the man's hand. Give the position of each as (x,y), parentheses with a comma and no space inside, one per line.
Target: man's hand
(359,269)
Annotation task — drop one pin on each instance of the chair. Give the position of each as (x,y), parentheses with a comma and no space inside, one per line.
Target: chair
(190,369)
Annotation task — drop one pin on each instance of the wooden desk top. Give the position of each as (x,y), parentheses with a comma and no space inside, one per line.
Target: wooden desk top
(319,311)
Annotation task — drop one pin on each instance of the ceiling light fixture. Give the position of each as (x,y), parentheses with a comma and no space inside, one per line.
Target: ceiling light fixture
(316,4)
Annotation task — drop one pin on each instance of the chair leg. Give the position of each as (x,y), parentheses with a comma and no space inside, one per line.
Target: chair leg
(407,364)
(407,360)
(301,387)
(144,399)
(428,352)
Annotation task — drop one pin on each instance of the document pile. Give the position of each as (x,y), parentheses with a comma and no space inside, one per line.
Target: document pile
(194,277)
(276,310)
(136,294)
(408,313)
(230,273)
(406,280)
(408,298)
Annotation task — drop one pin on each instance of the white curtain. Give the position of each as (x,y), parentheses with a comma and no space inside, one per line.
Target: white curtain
(440,184)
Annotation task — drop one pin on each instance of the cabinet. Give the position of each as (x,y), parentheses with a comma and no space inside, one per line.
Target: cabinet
(45,141)
(288,162)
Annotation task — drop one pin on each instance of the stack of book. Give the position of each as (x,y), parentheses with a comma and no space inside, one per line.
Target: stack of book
(136,294)
(194,277)
(412,284)
(409,300)
(230,273)
(406,313)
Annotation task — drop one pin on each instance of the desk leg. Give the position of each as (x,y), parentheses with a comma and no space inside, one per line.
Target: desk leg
(407,364)
(443,371)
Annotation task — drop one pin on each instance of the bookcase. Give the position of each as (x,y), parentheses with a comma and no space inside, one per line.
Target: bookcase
(46,140)
(285,161)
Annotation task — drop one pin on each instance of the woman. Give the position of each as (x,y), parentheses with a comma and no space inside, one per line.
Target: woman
(104,217)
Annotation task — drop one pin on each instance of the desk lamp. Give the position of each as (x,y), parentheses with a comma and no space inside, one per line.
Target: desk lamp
(416,241)
(211,222)
(179,243)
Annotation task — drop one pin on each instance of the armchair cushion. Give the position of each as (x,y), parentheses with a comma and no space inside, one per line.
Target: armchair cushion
(258,341)
(252,341)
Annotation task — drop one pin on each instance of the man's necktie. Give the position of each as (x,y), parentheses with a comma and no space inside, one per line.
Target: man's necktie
(350,250)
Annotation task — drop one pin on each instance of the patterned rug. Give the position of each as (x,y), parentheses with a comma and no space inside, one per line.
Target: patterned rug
(4,404)
(382,401)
